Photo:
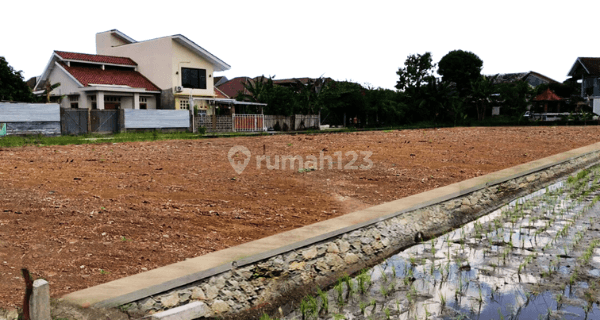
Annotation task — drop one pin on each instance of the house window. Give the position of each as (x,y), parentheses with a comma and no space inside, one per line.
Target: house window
(184,104)
(193,78)
(111,103)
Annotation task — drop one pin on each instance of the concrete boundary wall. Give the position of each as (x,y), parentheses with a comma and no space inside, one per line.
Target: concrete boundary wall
(156,119)
(30,118)
(279,268)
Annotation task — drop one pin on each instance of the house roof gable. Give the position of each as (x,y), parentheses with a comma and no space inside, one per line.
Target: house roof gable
(541,76)
(591,66)
(218,64)
(521,76)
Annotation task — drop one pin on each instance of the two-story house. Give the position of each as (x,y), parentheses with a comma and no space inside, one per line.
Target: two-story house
(161,73)
(97,82)
(588,71)
(178,66)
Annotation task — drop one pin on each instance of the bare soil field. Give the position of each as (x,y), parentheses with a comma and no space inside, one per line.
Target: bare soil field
(83,215)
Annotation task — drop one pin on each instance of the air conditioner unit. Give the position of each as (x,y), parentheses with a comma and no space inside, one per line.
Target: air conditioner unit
(178,88)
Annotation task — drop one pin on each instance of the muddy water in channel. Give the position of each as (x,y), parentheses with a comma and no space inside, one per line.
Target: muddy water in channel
(536,258)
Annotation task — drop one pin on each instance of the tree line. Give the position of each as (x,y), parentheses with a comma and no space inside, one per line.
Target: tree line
(458,95)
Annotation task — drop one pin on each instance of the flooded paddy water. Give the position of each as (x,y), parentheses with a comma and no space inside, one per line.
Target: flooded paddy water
(535,258)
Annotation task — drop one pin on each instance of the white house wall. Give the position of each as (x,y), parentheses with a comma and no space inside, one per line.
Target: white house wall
(596,105)
(185,58)
(150,102)
(153,58)
(67,86)
(107,40)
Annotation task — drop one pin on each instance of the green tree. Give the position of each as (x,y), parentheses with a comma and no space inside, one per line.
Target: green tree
(417,71)
(462,68)
(435,98)
(308,94)
(384,107)
(279,100)
(482,97)
(48,89)
(12,85)
(514,98)
(257,89)
(341,98)
(418,88)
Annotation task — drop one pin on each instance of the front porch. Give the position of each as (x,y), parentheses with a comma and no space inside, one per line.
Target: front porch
(101,98)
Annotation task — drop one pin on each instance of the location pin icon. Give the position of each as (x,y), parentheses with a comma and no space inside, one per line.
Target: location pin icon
(238,165)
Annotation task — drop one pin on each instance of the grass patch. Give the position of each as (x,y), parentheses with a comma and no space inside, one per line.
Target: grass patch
(40,140)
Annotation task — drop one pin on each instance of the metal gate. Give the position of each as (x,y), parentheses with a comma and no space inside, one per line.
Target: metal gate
(248,122)
(104,121)
(73,121)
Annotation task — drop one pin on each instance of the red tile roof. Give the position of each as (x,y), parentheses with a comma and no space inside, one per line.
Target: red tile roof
(94,75)
(234,86)
(220,94)
(547,95)
(96,58)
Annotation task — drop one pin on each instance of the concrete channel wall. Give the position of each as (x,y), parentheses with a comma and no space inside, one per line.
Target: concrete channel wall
(268,272)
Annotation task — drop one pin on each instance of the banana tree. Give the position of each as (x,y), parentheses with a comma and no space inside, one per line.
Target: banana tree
(48,89)
(481,94)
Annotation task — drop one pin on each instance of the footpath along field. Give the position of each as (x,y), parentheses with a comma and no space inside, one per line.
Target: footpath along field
(82,215)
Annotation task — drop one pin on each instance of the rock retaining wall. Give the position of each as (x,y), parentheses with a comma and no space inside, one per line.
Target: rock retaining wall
(286,276)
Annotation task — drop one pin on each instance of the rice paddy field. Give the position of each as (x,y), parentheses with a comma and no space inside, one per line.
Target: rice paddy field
(535,258)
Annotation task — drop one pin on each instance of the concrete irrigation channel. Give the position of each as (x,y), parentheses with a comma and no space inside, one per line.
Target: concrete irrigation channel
(535,258)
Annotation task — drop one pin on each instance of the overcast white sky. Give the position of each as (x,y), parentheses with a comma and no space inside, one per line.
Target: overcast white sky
(362,41)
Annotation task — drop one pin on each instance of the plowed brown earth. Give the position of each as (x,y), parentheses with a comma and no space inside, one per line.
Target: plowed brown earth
(87,214)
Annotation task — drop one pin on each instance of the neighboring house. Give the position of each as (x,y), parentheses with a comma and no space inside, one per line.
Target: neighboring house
(293,82)
(97,82)
(178,66)
(235,86)
(588,71)
(219,81)
(533,78)
(32,82)
(220,94)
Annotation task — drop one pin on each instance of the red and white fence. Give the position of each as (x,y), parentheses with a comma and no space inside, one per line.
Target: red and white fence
(248,122)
